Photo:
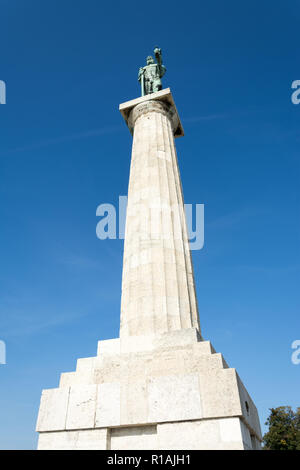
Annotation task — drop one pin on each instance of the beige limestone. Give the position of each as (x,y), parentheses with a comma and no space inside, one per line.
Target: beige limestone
(136,438)
(81,407)
(108,409)
(160,385)
(174,398)
(158,293)
(180,380)
(53,409)
(214,434)
(95,439)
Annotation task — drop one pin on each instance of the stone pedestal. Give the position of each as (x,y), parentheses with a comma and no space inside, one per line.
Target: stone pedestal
(160,385)
(166,391)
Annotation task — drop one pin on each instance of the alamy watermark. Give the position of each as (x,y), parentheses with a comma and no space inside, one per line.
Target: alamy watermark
(295,358)
(2,92)
(2,352)
(160,221)
(296,94)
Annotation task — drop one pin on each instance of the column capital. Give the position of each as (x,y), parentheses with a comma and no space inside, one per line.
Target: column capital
(161,101)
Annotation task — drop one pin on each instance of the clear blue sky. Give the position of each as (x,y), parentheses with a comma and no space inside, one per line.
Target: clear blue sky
(64,149)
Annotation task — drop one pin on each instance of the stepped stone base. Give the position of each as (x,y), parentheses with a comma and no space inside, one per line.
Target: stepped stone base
(168,391)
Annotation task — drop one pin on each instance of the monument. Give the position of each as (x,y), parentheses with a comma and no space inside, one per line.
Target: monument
(150,75)
(160,385)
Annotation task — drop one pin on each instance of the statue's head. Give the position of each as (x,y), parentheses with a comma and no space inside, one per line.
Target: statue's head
(150,60)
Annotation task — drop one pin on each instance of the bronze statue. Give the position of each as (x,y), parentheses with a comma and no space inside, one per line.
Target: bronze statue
(150,75)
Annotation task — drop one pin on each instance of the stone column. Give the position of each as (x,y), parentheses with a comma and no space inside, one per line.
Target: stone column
(159,386)
(158,292)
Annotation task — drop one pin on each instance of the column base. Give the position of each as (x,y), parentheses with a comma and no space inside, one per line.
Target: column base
(169,391)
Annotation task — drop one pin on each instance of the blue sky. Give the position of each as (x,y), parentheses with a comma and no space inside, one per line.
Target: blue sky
(64,149)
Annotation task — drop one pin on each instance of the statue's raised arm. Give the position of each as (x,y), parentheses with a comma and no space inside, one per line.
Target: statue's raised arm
(158,57)
(150,75)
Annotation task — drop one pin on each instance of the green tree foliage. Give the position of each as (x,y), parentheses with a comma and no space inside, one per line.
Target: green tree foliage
(284,429)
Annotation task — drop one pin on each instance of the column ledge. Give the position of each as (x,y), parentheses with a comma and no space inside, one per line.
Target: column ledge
(165,96)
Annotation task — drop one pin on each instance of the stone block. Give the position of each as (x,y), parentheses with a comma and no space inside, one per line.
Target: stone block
(203,347)
(133,344)
(67,379)
(53,409)
(249,410)
(108,347)
(82,407)
(230,430)
(172,339)
(201,435)
(134,409)
(91,439)
(173,398)
(246,436)
(108,370)
(134,438)
(108,409)
(219,393)
(85,364)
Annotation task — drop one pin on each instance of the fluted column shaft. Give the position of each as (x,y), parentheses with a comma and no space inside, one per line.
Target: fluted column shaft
(158,292)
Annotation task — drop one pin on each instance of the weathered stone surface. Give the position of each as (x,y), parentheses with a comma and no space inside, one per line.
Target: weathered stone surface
(174,398)
(53,409)
(177,380)
(82,407)
(108,347)
(158,293)
(248,409)
(134,409)
(95,439)
(213,434)
(178,383)
(108,410)
(135,438)
(158,386)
